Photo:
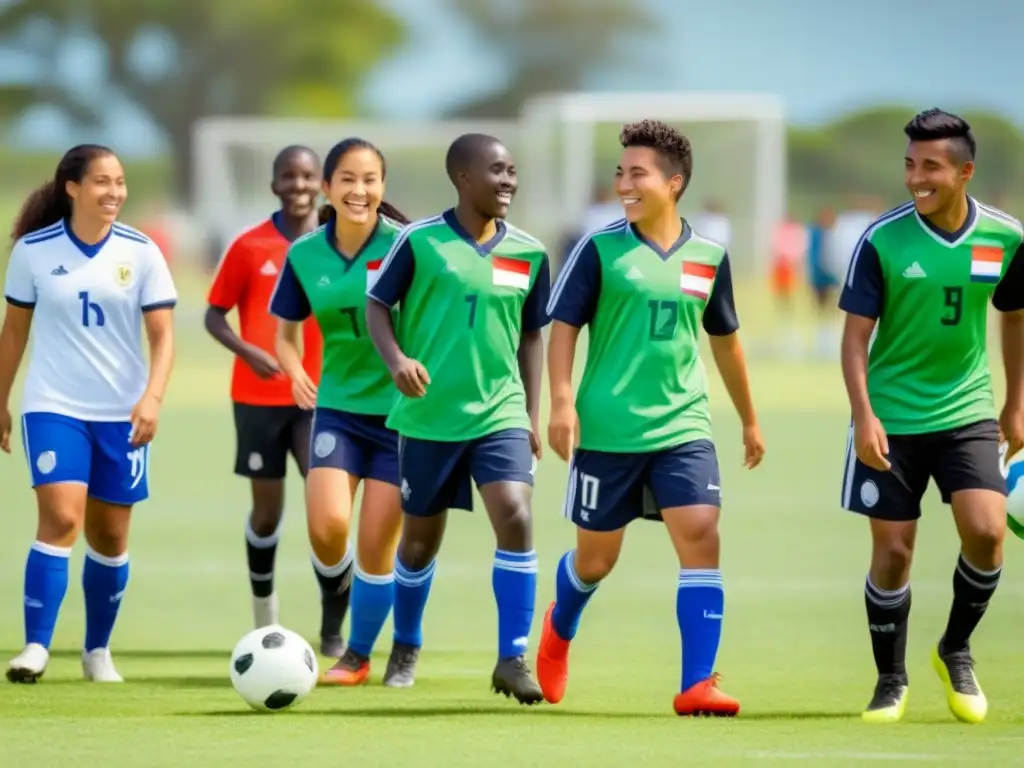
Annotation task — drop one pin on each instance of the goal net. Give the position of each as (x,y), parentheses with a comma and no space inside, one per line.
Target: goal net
(571,149)
(233,159)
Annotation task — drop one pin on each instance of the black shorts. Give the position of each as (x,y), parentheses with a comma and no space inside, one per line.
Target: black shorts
(266,434)
(960,459)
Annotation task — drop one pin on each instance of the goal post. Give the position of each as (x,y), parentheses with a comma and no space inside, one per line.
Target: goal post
(233,157)
(739,145)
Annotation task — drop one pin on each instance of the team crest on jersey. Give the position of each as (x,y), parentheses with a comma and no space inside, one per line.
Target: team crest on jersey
(123,274)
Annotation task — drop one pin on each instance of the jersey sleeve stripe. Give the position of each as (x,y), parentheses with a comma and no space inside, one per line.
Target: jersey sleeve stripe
(130,232)
(129,236)
(58,228)
(19,303)
(896,213)
(1000,216)
(396,246)
(574,255)
(168,304)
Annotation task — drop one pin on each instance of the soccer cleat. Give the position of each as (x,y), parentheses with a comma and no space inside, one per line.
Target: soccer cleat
(401,669)
(511,677)
(705,699)
(332,646)
(552,661)
(29,665)
(98,667)
(264,610)
(964,696)
(889,701)
(351,669)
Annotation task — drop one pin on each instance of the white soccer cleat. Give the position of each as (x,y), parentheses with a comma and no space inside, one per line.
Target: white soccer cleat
(98,667)
(29,665)
(264,610)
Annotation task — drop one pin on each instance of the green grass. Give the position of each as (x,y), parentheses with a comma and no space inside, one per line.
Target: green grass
(795,649)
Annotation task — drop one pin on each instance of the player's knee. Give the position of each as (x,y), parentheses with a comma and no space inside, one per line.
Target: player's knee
(890,562)
(983,539)
(264,522)
(514,529)
(594,565)
(417,555)
(59,524)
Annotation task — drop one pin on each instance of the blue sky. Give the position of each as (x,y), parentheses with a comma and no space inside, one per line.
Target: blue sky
(822,58)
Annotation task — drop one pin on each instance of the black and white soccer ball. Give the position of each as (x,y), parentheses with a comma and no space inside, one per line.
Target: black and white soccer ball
(273,669)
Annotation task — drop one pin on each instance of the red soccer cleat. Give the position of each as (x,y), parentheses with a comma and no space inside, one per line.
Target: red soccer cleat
(552,661)
(351,669)
(704,699)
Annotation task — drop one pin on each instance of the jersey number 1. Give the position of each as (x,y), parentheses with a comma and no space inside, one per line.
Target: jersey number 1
(352,313)
(954,304)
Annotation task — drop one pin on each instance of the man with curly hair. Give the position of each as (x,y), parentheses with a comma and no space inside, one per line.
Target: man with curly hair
(639,429)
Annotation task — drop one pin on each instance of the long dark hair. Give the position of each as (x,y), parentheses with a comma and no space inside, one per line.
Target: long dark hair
(50,203)
(334,157)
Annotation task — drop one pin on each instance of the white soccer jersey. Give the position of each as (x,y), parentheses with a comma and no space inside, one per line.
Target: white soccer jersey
(87,359)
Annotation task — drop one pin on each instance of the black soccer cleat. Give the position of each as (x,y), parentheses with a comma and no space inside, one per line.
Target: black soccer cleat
(889,701)
(401,669)
(512,677)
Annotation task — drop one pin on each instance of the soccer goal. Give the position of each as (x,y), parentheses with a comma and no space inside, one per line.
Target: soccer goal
(233,158)
(571,148)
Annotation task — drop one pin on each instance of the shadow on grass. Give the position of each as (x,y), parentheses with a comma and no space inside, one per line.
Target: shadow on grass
(163,655)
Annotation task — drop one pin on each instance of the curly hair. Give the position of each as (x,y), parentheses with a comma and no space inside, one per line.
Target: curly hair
(675,155)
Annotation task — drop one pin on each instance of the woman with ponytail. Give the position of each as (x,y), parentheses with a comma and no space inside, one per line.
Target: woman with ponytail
(85,285)
(326,275)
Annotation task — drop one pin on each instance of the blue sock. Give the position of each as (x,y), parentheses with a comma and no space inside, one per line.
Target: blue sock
(103,580)
(46,582)
(412,588)
(700,601)
(571,597)
(372,598)
(514,579)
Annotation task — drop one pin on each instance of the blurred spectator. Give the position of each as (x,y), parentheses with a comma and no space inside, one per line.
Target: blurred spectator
(823,280)
(713,223)
(788,249)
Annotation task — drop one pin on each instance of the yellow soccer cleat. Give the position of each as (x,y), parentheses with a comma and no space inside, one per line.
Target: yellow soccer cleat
(889,701)
(963,694)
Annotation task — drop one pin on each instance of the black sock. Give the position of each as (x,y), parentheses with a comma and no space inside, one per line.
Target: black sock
(972,589)
(260,552)
(335,588)
(888,617)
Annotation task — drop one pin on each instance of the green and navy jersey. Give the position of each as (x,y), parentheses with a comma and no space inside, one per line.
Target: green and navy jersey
(644,386)
(929,290)
(464,308)
(318,279)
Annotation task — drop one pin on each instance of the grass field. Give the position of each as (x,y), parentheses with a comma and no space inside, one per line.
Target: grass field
(795,650)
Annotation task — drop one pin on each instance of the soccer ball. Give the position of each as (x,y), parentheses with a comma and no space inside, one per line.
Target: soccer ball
(1015,499)
(273,668)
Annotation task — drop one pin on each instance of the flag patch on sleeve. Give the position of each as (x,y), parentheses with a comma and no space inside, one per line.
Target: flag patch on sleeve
(697,279)
(986,263)
(512,273)
(372,270)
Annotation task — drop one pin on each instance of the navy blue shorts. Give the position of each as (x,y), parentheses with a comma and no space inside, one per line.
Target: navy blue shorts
(607,491)
(437,475)
(96,454)
(356,443)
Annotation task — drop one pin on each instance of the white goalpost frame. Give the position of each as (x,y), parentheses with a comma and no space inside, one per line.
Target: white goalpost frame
(214,193)
(578,113)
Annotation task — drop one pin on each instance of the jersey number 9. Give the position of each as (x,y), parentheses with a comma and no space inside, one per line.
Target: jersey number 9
(954,305)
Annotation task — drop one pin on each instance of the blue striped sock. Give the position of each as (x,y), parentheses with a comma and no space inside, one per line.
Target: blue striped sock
(571,597)
(372,598)
(700,601)
(412,588)
(514,579)
(46,582)
(103,580)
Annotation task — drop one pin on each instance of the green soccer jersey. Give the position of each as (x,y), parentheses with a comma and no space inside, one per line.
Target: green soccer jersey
(464,308)
(930,291)
(317,279)
(644,386)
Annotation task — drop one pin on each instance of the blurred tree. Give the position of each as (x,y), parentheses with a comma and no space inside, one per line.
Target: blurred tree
(223,57)
(547,45)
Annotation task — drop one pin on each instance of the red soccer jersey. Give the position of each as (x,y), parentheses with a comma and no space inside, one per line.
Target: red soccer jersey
(245,279)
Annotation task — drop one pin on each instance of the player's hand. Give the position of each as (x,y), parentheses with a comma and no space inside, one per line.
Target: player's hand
(562,430)
(144,419)
(536,446)
(304,392)
(411,377)
(753,446)
(5,429)
(1011,430)
(263,364)
(871,443)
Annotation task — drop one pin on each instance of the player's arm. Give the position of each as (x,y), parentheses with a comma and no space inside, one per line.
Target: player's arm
(722,326)
(861,300)
(571,306)
(20,291)
(289,303)
(1008,298)
(531,346)
(158,297)
(390,289)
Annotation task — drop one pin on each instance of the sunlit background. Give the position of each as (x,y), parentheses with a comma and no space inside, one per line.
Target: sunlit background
(795,109)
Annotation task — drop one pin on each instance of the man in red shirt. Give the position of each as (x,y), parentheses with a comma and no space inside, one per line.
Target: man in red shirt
(268,423)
